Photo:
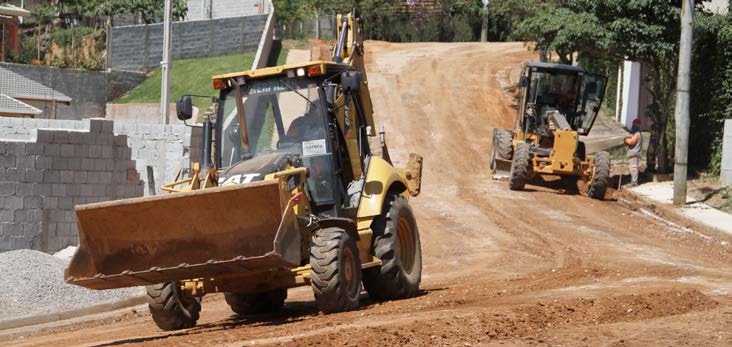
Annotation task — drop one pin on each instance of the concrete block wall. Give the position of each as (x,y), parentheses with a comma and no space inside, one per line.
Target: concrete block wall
(49,166)
(212,9)
(726,176)
(89,90)
(139,47)
(43,177)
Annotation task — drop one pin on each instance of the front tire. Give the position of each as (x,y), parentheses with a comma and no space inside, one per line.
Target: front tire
(520,166)
(336,270)
(600,176)
(267,302)
(396,243)
(172,309)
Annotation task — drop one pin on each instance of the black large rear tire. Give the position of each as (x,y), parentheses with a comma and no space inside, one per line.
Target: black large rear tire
(520,166)
(396,243)
(336,270)
(600,177)
(244,304)
(172,309)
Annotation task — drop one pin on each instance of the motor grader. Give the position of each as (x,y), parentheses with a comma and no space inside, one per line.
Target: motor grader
(288,194)
(557,105)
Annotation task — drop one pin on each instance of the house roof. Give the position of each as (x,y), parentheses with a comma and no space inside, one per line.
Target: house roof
(14,11)
(21,87)
(9,105)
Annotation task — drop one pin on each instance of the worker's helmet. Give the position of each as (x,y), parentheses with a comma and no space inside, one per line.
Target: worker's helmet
(637,121)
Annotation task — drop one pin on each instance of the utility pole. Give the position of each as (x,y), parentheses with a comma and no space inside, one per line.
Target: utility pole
(682,103)
(165,64)
(484,29)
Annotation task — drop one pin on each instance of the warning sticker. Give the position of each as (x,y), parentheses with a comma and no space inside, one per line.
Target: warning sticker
(315,147)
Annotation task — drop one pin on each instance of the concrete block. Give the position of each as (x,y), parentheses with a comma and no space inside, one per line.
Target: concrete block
(22,216)
(87,190)
(51,176)
(44,136)
(34,148)
(80,177)
(100,164)
(7,161)
(52,149)
(26,162)
(67,150)
(87,164)
(20,243)
(73,189)
(7,189)
(108,126)
(105,177)
(61,137)
(66,176)
(13,202)
(58,190)
(2,147)
(76,137)
(90,139)
(6,215)
(50,202)
(107,152)
(34,175)
(15,148)
(99,190)
(93,177)
(13,175)
(24,189)
(44,189)
(14,229)
(74,164)
(59,163)
(95,151)
(43,162)
(32,202)
(66,203)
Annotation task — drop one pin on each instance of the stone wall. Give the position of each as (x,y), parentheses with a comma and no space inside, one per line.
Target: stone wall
(140,47)
(49,166)
(726,176)
(90,90)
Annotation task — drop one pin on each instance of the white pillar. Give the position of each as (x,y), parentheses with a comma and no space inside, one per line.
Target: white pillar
(631,93)
(165,64)
(726,176)
(619,94)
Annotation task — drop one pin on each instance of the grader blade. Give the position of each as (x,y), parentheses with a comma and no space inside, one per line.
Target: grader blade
(231,230)
(501,169)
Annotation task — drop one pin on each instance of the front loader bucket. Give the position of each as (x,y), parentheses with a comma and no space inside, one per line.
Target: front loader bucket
(203,233)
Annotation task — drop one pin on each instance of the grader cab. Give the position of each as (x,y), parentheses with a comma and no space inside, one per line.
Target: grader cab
(557,105)
(288,194)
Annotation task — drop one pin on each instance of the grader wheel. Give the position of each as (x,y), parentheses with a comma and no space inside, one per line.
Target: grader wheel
(172,309)
(396,243)
(600,176)
(520,167)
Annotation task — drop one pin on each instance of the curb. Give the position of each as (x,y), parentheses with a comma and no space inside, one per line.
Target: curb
(74,313)
(653,205)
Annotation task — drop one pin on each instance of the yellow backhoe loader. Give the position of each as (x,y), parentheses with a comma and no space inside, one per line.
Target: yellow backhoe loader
(557,105)
(288,194)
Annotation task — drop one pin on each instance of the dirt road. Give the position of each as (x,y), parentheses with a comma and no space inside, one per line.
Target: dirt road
(533,267)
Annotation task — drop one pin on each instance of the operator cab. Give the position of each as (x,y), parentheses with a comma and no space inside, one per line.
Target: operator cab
(290,120)
(558,96)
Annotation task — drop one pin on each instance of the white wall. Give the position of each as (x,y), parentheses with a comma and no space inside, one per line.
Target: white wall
(726,176)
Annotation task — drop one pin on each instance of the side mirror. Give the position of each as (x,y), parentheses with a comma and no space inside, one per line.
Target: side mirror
(184,108)
(351,81)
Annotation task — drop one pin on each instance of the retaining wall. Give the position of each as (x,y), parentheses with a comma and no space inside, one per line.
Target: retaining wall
(208,9)
(49,166)
(140,47)
(89,90)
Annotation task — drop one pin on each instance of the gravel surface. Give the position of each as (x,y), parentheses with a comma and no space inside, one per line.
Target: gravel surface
(32,283)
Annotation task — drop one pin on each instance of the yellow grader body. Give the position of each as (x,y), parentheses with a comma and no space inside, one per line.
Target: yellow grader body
(557,104)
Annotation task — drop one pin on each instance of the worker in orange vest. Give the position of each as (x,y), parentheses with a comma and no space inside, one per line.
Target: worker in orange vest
(634,142)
